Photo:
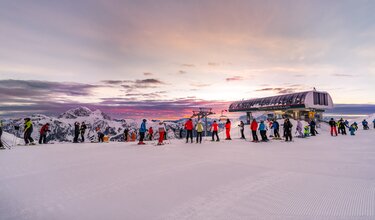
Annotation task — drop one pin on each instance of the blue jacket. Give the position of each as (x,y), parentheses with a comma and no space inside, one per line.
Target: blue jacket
(143,127)
(262,127)
(275,125)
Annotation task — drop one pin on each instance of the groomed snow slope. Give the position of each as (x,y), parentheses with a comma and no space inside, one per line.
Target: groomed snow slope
(320,177)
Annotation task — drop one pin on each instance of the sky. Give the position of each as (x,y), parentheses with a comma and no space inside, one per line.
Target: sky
(167,57)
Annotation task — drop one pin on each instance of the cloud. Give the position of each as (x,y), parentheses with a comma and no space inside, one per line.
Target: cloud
(187,65)
(278,90)
(213,64)
(116,82)
(149,81)
(148,74)
(234,78)
(200,84)
(182,72)
(342,75)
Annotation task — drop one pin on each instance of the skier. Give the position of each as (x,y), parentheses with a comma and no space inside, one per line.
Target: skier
(126,134)
(189,130)
(227,130)
(161,129)
(373,121)
(43,133)
(263,131)
(270,125)
(76,132)
(299,128)
(215,129)
(352,130)
(312,127)
(332,123)
(199,129)
(242,128)
(342,127)
(288,130)
(150,133)
(275,127)
(365,124)
(83,131)
(254,128)
(1,133)
(142,131)
(100,135)
(28,130)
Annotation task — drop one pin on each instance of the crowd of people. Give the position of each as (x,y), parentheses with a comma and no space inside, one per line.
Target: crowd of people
(262,127)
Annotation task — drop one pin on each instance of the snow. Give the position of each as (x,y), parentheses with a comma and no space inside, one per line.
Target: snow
(320,177)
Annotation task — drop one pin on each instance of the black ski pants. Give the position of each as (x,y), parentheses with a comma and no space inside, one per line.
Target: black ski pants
(288,135)
(189,133)
(276,133)
(43,139)
(27,137)
(255,136)
(214,133)
(199,137)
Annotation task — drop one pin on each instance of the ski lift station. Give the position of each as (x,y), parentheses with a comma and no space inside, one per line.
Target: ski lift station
(301,105)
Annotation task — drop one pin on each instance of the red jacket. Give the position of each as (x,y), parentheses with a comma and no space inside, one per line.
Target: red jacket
(254,126)
(150,131)
(44,129)
(215,126)
(227,125)
(189,125)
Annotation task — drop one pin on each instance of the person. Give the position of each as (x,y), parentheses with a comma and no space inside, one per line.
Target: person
(227,130)
(254,128)
(346,122)
(270,125)
(263,131)
(133,136)
(100,135)
(126,134)
(306,132)
(43,134)
(332,123)
(142,131)
(342,127)
(338,127)
(352,130)
(1,133)
(189,130)
(83,131)
(199,129)
(76,132)
(181,130)
(355,125)
(28,130)
(365,124)
(215,129)
(161,129)
(242,128)
(373,121)
(275,127)
(312,127)
(150,133)
(299,128)
(288,129)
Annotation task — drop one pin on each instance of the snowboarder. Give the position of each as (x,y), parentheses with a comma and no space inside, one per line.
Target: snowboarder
(189,130)
(43,134)
(227,130)
(254,128)
(126,134)
(365,124)
(28,130)
(76,132)
(1,133)
(275,127)
(288,130)
(242,128)
(150,133)
(342,127)
(312,127)
(299,128)
(142,131)
(161,129)
(83,131)
(215,129)
(263,131)
(199,129)
(352,130)
(332,123)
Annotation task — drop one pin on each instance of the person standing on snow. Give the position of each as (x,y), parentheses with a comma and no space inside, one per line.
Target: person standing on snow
(299,128)
(126,134)
(270,123)
(142,131)
(76,132)
(276,127)
(43,134)
(162,130)
(312,127)
(342,127)
(242,128)
(150,133)
(254,128)
(83,131)
(352,130)
(263,131)
(227,130)
(189,130)
(1,133)
(199,129)
(100,135)
(365,124)
(332,123)
(215,129)
(288,130)
(28,130)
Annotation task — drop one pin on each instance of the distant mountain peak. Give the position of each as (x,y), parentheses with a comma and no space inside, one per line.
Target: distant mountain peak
(76,112)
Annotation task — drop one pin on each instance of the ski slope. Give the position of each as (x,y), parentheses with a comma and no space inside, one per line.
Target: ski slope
(319,177)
